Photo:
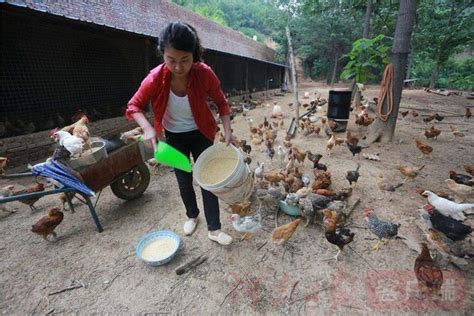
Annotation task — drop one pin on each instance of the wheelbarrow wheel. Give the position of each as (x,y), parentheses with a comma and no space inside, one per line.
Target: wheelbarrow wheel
(132,184)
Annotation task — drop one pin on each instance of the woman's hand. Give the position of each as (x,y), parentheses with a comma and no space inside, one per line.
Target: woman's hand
(229,138)
(149,137)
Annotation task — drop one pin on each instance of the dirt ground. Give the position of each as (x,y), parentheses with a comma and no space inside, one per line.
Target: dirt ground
(248,277)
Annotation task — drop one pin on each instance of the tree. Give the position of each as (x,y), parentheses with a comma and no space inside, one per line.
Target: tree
(383,130)
(368,14)
(445,28)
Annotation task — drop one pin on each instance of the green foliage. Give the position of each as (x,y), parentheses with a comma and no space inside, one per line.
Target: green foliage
(366,57)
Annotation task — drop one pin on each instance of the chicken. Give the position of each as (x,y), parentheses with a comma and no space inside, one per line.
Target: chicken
(386,186)
(331,143)
(432,133)
(36,187)
(334,234)
(350,139)
(461,191)
(355,149)
(414,113)
(322,180)
(281,154)
(242,208)
(438,117)
(449,248)
(3,164)
(469,169)
(424,148)
(80,130)
(307,209)
(46,225)
(363,118)
(299,155)
(325,192)
(248,225)
(6,192)
(404,113)
(72,143)
(353,175)
(343,194)
(461,178)
(319,201)
(273,177)
(259,170)
(333,218)
(384,230)
(429,276)
(453,229)
(270,151)
(447,207)
(468,113)
(408,172)
(281,234)
(456,132)
(315,158)
(296,185)
(270,197)
(429,118)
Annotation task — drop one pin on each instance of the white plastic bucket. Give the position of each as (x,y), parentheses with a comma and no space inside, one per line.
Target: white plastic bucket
(237,185)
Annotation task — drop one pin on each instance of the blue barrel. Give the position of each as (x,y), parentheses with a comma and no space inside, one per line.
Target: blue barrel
(339,104)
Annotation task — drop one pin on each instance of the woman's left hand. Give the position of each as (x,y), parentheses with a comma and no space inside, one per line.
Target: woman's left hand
(229,138)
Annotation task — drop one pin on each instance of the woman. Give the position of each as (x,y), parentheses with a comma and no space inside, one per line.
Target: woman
(178,91)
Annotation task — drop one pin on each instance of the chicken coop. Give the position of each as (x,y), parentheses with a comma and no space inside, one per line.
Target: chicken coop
(55,63)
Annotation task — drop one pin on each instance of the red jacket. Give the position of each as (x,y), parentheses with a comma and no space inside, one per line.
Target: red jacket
(202,83)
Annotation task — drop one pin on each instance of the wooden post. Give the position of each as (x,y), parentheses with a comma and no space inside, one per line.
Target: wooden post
(293,76)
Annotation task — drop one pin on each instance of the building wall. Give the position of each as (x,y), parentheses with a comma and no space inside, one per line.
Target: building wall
(148,17)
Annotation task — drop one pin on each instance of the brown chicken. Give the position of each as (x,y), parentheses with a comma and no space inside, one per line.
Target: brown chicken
(404,113)
(363,118)
(408,172)
(468,113)
(299,154)
(243,209)
(3,164)
(325,192)
(432,133)
(414,113)
(424,148)
(333,218)
(63,199)
(46,225)
(428,274)
(429,118)
(283,233)
(36,187)
(273,177)
(469,169)
(322,180)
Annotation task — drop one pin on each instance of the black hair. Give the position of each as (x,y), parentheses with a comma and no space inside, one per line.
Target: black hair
(181,36)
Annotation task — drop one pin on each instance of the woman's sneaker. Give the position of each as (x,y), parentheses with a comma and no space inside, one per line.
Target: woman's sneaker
(190,226)
(221,238)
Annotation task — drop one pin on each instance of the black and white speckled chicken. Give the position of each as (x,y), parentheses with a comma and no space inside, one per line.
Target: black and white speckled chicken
(384,230)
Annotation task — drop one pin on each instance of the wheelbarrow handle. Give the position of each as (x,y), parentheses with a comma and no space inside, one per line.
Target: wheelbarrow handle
(17,175)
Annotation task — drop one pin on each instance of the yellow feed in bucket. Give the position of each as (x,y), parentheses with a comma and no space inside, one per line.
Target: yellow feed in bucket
(217,170)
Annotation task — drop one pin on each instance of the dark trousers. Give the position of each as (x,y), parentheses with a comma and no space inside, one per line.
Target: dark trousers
(194,143)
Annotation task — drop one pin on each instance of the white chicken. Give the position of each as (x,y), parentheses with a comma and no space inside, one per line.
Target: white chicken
(281,153)
(72,143)
(447,207)
(247,225)
(259,170)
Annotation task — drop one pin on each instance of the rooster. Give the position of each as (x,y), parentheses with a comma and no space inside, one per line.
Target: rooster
(432,133)
(335,234)
(384,230)
(453,229)
(429,276)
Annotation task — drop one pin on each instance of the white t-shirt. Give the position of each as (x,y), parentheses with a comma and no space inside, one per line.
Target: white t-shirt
(178,117)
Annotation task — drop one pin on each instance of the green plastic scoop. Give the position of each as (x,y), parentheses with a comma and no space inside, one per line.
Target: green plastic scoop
(170,156)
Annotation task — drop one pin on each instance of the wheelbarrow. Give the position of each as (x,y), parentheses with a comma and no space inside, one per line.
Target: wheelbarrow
(124,170)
